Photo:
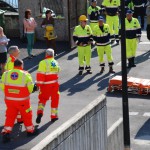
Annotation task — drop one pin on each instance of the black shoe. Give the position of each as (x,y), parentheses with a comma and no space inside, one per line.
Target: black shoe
(117,42)
(133,65)
(80,72)
(34,133)
(112,71)
(102,70)
(38,119)
(89,71)
(6,138)
(54,119)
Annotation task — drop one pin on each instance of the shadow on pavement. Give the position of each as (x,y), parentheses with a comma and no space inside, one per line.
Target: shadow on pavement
(19,138)
(142,58)
(73,86)
(144,132)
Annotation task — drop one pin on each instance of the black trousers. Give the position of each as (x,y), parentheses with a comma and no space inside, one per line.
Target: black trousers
(140,11)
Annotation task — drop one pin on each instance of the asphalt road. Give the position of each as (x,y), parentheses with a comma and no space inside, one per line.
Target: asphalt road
(78,91)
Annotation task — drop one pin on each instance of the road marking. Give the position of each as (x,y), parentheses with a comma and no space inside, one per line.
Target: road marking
(146,114)
(145,43)
(133,113)
(142,140)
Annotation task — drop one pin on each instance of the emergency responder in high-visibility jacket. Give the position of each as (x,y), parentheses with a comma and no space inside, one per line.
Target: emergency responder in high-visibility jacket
(47,82)
(112,19)
(13,52)
(13,55)
(139,10)
(82,36)
(133,34)
(101,35)
(17,85)
(93,11)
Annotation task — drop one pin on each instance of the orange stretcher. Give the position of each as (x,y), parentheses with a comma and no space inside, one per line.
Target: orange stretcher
(134,85)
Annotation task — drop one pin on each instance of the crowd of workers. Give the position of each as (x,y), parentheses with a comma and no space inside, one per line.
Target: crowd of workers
(103,35)
(17,84)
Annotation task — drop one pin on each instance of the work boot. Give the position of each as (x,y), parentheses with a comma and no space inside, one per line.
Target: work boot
(35,132)
(102,70)
(38,119)
(6,137)
(132,62)
(80,72)
(129,63)
(117,42)
(54,119)
(111,70)
(88,69)
(112,42)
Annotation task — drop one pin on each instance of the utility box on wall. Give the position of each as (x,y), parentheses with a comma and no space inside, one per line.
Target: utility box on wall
(12,24)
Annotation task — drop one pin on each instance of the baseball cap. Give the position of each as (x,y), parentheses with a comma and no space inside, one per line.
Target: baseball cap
(93,1)
(100,18)
(129,12)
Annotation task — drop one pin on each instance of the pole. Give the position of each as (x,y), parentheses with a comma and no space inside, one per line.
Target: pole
(126,128)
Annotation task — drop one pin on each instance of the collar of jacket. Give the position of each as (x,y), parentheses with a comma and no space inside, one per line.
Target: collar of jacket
(48,57)
(12,58)
(19,68)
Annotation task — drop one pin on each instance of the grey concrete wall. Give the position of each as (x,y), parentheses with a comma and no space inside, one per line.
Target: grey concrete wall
(60,24)
(87,130)
(115,136)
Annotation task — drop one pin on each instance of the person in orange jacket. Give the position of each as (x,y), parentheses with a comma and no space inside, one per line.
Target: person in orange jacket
(17,85)
(13,55)
(47,82)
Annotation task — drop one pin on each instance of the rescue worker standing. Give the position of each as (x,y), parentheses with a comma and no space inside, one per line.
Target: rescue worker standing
(17,85)
(13,52)
(101,35)
(139,10)
(13,55)
(47,82)
(112,18)
(133,33)
(94,11)
(82,36)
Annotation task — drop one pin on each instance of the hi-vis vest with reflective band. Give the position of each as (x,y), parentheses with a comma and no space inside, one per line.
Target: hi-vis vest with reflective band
(102,38)
(111,7)
(17,84)
(82,35)
(133,28)
(47,72)
(10,63)
(94,13)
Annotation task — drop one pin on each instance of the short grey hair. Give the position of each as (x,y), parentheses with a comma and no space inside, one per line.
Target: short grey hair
(50,52)
(11,49)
